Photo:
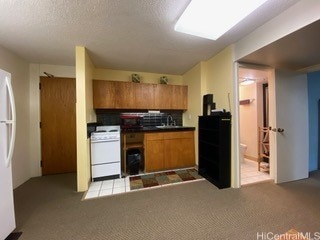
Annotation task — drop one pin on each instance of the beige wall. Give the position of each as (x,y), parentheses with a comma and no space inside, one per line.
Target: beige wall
(85,113)
(19,70)
(119,75)
(250,118)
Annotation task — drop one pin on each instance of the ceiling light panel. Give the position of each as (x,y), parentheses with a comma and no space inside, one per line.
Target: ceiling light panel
(212,18)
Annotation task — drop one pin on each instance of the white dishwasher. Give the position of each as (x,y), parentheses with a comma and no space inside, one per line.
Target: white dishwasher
(105,153)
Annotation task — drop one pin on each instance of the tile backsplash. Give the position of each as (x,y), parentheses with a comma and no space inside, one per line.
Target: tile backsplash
(109,117)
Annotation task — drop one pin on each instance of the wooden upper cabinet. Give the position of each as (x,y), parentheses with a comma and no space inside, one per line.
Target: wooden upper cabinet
(144,96)
(180,99)
(171,97)
(162,96)
(129,95)
(104,94)
(125,95)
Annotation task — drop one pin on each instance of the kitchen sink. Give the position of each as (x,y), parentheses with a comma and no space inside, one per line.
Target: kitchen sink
(168,127)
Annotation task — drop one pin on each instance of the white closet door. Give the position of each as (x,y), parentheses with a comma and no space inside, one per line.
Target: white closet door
(292,145)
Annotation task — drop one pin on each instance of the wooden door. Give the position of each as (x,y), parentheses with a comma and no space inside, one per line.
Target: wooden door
(58,125)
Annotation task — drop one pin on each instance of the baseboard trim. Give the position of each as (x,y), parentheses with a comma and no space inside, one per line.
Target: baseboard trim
(251,158)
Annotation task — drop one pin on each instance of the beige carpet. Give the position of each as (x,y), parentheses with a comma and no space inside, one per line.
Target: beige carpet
(49,208)
(293,234)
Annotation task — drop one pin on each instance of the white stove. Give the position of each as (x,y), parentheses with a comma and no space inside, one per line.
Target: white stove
(105,153)
(103,135)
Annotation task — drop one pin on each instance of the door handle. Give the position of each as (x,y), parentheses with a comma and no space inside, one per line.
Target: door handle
(272,129)
(280,130)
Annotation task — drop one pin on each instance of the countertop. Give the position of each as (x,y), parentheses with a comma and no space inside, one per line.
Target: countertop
(160,129)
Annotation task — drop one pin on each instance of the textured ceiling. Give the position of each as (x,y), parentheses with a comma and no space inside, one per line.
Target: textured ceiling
(136,35)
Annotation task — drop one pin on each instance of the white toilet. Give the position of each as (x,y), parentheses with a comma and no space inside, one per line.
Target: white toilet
(243,149)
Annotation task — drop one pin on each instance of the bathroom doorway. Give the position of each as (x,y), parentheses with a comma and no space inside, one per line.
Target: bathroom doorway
(254,125)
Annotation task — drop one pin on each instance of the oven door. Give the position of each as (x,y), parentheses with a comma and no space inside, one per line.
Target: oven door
(107,151)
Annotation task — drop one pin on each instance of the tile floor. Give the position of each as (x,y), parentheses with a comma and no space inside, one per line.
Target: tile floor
(116,186)
(108,187)
(250,173)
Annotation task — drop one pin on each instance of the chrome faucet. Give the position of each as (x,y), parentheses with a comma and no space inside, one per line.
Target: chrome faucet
(169,119)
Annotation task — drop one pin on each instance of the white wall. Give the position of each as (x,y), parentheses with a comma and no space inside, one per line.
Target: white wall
(19,70)
(36,70)
(298,16)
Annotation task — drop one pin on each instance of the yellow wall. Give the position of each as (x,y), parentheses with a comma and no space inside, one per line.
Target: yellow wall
(119,75)
(195,80)
(84,70)
(90,113)
(220,77)
(213,76)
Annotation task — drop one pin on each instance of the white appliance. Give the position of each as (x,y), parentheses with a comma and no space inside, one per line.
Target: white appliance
(7,138)
(105,153)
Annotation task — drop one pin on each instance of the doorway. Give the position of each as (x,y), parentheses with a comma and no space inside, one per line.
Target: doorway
(254,125)
(58,125)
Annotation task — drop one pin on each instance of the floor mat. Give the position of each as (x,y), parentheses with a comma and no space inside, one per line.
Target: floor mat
(14,236)
(163,178)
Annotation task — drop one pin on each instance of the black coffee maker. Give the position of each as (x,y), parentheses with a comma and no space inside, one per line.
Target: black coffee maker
(208,105)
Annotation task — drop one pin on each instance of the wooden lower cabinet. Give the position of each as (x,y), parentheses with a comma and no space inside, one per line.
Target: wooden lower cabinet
(169,150)
(179,153)
(154,152)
